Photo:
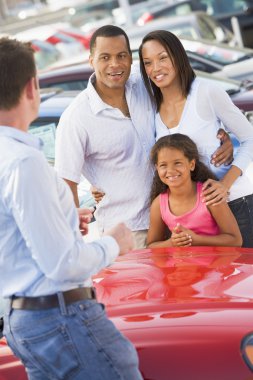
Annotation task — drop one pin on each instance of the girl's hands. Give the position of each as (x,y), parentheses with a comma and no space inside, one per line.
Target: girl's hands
(181,236)
(214,192)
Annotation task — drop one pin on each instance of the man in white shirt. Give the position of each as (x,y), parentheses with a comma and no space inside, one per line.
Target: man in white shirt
(52,321)
(105,136)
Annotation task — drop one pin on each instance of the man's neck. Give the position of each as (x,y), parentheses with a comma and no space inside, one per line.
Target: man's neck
(9,118)
(109,95)
(114,97)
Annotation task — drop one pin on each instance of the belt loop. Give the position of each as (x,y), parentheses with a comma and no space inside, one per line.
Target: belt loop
(62,304)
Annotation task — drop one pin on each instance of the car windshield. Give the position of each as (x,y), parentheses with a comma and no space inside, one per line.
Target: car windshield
(217,54)
(206,31)
(185,30)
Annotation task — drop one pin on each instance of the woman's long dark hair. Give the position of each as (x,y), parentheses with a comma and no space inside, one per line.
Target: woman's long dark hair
(184,144)
(180,61)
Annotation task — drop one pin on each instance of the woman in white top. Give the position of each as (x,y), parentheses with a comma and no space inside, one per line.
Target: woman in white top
(192,106)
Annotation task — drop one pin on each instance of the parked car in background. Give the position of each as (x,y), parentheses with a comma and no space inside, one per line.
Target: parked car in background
(137,10)
(167,9)
(195,25)
(78,14)
(45,54)
(67,45)
(76,33)
(189,312)
(232,62)
(221,10)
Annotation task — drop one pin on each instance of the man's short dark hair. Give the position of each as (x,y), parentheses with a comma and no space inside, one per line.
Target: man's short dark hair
(108,31)
(17,67)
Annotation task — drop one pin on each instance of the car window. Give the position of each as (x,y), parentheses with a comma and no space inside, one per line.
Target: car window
(68,85)
(184,31)
(179,10)
(205,29)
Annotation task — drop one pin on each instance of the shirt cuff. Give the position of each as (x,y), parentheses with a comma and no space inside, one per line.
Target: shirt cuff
(111,248)
(241,163)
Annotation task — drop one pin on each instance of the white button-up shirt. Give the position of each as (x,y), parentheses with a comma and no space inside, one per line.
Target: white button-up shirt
(111,151)
(41,248)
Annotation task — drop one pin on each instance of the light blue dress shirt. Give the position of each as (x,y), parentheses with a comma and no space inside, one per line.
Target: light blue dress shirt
(41,248)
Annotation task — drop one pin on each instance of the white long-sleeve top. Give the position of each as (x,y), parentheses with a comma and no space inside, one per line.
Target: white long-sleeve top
(208,108)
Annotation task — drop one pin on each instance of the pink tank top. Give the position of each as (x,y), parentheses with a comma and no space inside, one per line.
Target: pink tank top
(199,219)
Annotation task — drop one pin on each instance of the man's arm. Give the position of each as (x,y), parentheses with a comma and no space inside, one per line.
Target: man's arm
(73,187)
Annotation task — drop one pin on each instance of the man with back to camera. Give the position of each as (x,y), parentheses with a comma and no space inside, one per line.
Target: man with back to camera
(106,134)
(52,321)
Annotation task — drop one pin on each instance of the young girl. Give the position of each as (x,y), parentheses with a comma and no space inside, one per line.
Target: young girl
(176,201)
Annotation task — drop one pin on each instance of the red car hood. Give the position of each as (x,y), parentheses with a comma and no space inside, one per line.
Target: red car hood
(175,279)
(186,310)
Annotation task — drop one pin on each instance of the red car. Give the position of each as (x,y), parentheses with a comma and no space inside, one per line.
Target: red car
(188,311)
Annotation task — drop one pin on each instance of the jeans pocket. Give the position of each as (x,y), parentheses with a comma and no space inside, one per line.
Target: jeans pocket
(118,349)
(53,353)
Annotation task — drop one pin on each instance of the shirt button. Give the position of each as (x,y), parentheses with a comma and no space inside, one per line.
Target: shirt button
(81,307)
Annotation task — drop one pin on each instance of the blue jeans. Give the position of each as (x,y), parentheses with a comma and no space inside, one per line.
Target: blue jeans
(242,208)
(74,342)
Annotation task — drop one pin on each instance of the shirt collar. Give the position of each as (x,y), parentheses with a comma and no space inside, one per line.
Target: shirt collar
(96,103)
(23,137)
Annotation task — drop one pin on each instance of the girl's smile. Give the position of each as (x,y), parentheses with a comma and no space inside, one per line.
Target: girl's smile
(173,167)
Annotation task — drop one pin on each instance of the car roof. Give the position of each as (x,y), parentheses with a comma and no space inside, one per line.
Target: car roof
(65,69)
(56,102)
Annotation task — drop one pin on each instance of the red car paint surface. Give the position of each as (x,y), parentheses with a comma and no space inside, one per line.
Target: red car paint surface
(186,310)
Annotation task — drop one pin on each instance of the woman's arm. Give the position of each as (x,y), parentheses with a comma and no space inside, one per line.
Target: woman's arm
(233,119)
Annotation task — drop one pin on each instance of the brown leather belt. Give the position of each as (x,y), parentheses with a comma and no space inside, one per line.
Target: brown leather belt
(51,301)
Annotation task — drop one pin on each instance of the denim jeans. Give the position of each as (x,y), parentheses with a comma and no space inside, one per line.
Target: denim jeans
(242,208)
(74,342)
